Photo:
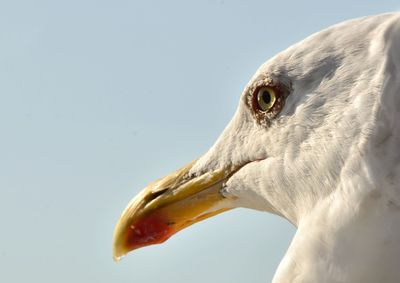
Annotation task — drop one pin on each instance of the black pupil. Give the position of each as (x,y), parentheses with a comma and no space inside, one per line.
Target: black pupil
(266,96)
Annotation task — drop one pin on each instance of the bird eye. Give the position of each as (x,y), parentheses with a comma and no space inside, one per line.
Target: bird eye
(266,98)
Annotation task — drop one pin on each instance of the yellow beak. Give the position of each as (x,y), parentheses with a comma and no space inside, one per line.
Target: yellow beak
(169,205)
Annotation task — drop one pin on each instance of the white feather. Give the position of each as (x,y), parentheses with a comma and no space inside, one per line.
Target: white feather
(330,162)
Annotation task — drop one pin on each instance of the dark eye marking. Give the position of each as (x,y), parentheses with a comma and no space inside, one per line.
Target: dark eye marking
(266,99)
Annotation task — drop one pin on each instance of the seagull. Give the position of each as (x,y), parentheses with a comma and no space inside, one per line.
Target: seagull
(316,140)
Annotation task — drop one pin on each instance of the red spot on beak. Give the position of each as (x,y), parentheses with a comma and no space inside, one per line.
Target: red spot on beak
(149,230)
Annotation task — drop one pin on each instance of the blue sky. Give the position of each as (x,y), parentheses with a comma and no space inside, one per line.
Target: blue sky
(98,98)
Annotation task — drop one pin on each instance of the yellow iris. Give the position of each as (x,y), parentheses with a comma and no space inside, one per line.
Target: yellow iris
(266,98)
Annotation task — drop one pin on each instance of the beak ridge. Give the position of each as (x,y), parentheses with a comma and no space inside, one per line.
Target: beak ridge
(169,205)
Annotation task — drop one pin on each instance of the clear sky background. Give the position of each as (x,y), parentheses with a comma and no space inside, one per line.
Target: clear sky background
(98,98)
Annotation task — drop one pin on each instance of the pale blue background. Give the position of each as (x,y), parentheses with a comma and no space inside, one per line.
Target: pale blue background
(98,98)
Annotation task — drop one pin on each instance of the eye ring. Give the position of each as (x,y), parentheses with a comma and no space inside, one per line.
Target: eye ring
(266,98)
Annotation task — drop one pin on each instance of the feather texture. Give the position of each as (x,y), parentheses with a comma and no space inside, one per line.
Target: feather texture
(330,161)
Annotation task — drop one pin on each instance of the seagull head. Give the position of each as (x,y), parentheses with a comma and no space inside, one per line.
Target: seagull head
(305,128)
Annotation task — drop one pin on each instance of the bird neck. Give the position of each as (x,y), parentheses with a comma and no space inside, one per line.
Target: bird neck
(348,229)
(346,238)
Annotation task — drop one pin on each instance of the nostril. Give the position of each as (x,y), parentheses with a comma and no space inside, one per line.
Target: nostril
(157,193)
